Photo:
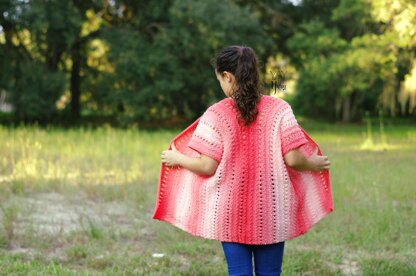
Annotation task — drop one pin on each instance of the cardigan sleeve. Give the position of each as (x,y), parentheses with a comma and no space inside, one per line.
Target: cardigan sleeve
(206,138)
(292,135)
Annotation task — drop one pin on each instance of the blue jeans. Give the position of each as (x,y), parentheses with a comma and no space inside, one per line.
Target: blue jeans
(267,258)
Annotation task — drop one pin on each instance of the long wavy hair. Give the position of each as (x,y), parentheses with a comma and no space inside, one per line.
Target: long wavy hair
(242,62)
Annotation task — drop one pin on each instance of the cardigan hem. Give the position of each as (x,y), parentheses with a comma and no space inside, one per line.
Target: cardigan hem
(171,221)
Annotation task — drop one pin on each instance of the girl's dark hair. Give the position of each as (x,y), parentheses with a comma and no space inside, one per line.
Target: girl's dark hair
(242,62)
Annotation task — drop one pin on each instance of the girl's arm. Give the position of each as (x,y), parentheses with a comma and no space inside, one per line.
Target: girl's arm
(200,165)
(296,160)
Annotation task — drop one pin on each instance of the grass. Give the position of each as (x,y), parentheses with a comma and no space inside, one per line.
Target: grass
(81,200)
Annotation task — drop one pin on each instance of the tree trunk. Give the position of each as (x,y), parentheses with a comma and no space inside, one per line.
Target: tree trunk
(76,56)
(75,81)
(357,101)
(338,107)
(346,114)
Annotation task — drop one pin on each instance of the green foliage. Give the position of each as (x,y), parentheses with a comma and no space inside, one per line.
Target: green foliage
(353,18)
(37,35)
(320,10)
(35,94)
(53,27)
(149,60)
(348,68)
(315,41)
(169,72)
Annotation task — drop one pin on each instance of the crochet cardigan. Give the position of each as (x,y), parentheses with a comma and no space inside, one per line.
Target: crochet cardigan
(253,197)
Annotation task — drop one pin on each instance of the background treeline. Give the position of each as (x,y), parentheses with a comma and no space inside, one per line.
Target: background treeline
(148,61)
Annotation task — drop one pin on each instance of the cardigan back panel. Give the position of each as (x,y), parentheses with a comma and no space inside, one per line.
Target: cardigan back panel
(253,197)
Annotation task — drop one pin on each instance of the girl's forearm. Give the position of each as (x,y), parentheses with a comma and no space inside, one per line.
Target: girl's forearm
(302,164)
(316,163)
(194,164)
(296,160)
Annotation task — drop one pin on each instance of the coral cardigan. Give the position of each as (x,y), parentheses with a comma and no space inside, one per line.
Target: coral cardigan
(253,197)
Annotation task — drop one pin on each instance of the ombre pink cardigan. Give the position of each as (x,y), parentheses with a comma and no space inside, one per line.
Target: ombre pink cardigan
(253,197)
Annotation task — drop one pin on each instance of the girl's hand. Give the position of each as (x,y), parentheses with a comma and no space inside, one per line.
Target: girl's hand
(170,157)
(318,162)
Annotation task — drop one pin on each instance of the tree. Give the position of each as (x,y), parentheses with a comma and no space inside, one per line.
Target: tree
(398,19)
(162,67)
(347,69)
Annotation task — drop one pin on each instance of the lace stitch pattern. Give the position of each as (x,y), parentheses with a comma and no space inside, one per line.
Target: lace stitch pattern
(253,197)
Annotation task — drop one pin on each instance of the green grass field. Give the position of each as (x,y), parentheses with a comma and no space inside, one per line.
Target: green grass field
(81,201)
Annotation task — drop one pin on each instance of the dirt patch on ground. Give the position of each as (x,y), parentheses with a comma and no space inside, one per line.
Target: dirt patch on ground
(54,213)
(350,267)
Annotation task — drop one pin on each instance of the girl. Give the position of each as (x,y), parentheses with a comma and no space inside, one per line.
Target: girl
(244,173)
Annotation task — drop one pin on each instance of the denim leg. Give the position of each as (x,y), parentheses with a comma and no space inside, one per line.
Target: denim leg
(268,259)
(239,258)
